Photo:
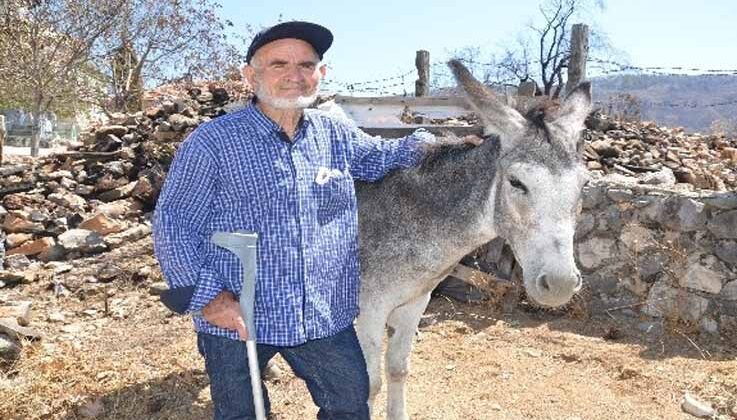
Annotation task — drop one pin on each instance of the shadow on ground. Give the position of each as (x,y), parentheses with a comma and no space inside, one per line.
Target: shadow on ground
(658,339)
(182,396)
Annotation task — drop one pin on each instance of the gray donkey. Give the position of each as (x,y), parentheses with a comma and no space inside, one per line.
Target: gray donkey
(523,185)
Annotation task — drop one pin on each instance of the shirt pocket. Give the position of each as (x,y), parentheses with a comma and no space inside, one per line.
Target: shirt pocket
(333,191)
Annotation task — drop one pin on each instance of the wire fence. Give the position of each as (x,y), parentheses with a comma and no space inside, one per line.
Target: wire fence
(491,73)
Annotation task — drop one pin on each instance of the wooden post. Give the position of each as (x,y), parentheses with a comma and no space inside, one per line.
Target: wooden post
(579,54)
(422,62)
(2,136)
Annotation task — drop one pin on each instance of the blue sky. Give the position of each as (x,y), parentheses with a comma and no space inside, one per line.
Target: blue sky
(377,39)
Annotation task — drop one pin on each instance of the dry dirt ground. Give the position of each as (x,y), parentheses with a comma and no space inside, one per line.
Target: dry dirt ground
(118,354)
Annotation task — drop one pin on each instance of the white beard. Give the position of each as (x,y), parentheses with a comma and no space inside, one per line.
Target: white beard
(300,102)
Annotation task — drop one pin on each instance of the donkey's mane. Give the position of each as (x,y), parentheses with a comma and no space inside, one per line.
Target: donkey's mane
(538,116)
(454,153)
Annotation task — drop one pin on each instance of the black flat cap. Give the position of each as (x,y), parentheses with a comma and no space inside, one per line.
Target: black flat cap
(318,36)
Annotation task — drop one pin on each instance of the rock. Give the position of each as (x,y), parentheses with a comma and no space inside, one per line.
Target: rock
(726,251)
(605,149)
(68,200)
(145,191)
(650,265)
(34,247)
(21,311)
(695,407)
(153,112)
(101,224)
(272,372)
(220,95)
(592,196)
(40,216)
(109,273)
(55,253)
(619,195)
(16,239)
(729,291)
(82,240)
(724,225)
(682,214)
(133,234)
(179,122)
(664,300)
(115,130)
(58,267)
(69,184)
(721,200)
(709,325)
(664,178)
(730,154)
(11,279)
(158,288)
(118,193)
(15,222)
(11,328)
(117,168)
(119,208)
(84,189)
(9,349)
(533,352)
(702,278)
(636,237)
(72,328)
(109,182)
(594,251)
(17,262)
(584,224)
(109,143)
(56,317)
(56,175)
(205,97)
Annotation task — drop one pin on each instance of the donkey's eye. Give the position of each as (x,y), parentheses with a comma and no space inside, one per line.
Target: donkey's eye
(516,183)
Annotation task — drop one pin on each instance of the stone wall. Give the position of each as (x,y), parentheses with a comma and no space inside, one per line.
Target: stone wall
(664,252)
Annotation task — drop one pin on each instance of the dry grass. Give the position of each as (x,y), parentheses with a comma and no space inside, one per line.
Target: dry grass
(471,362)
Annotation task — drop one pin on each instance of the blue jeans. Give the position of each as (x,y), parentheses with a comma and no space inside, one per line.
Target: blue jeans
(333,369)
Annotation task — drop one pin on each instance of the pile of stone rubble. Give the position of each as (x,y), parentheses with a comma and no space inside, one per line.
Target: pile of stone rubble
(99,194)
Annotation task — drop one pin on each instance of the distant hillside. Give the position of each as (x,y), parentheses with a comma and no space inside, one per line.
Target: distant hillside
(675,100)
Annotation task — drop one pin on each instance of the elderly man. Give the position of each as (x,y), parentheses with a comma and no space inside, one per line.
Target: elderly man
(287,173)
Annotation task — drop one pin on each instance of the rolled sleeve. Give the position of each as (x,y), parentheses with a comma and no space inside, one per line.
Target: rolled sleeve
(207,288)
(374,157)
(180,219)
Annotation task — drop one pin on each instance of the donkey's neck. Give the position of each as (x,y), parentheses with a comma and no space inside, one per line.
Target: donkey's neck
(434,213)
(454,187)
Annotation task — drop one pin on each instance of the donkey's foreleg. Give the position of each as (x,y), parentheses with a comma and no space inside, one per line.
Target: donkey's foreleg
(370,326)
(402,325)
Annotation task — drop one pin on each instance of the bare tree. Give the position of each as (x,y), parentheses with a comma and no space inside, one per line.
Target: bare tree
(45,50)
(543,52)
(155,41)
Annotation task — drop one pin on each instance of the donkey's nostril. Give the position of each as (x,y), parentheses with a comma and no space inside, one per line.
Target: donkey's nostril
(542,283)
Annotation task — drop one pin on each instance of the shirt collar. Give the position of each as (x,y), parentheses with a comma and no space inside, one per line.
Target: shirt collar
(267,125)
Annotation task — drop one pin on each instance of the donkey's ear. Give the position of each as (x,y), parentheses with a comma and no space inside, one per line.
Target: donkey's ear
(575,108)
(498,118)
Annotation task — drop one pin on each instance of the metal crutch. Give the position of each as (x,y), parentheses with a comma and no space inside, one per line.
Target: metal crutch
(243,244)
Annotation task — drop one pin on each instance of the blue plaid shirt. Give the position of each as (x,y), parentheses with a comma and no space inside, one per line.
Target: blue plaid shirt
(240,172)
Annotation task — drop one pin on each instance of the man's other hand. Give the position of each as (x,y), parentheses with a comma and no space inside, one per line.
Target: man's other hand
(225,312)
